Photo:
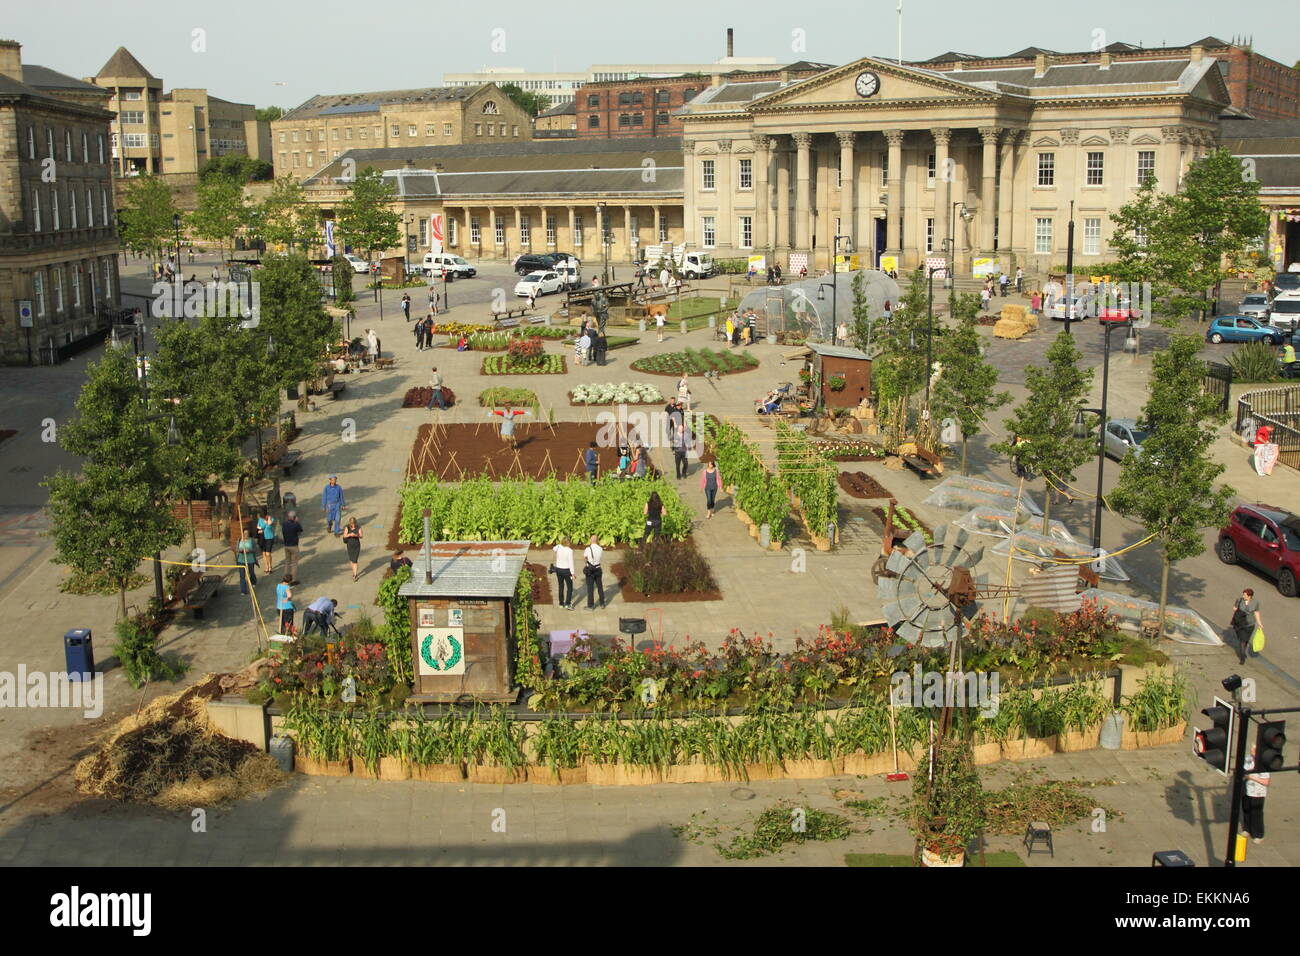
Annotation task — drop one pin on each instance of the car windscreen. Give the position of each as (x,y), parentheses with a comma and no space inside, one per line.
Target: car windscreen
(1138,436)
(1258,299)
(1287,280)
(534,277)
(1287,306)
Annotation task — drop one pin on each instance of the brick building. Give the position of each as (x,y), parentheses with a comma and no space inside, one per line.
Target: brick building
(58,234)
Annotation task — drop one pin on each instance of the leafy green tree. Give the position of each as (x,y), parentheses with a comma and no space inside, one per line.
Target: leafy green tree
(1044,421)
(268,114)
(220,213)
(291,313)
(342,270)
(107,519)
(244,169)
(1169,487)
(1137,223)
(864,323)
(146,219)
(366,220)
(898,370)
(285,216)
(964,390)
(528,101)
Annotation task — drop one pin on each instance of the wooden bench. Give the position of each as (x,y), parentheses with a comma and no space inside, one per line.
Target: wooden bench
(336,389)
(509,318)
(924,463)
(285,466)
(202,595)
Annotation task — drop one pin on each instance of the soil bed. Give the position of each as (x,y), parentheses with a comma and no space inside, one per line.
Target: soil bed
(633,596)
(861,485)
(419,396)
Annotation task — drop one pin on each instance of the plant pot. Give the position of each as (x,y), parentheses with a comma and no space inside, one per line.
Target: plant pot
(741,515)
(633,776)
(753,531)
(987,753)
(1137,739)
(821,544)
(1029,748)
(438,772)
(1071,741)
(321,768)
(482,773)
(549,776)
(775,546)
(868,765)
(929,858)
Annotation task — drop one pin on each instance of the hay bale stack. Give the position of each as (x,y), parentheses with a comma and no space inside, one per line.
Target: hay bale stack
(1015,322)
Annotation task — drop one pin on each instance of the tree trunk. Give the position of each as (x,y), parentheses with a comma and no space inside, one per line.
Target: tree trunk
(1047,506)
(1164,591)
(964,442)
(121,598)
(189,507)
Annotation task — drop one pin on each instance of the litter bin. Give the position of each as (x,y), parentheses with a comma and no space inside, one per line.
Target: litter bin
(79,654)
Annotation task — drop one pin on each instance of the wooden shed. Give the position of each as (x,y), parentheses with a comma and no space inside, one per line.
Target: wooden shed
(829,361)
(462,602)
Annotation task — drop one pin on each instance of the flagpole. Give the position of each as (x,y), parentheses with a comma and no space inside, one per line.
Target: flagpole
(900,32)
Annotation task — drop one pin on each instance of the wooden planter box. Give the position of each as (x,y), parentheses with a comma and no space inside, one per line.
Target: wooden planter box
(322,768)
(438,772)
(564,776)
(813,769)
(1137,739)
(764,771)
(480,773)
(1071,741)
(987,753)
(1028,748)
(630,776)
(602,774)
(389,768)
(868,765)
(693,773)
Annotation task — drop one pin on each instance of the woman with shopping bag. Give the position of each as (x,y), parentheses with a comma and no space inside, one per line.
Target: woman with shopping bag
(1247,625)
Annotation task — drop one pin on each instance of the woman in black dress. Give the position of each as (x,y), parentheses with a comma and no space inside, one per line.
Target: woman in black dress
(352,541)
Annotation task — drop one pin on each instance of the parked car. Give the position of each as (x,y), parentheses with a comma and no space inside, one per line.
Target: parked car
(1255,305)
(535,262)
(1083,308)
(1285,312)
(1242,328)
(436,262)
(1265,537)
(539,283)
(358,264)
(1123,438)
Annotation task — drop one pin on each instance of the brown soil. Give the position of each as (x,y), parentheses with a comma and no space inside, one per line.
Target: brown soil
(880,514)
(478,449)
(633,596)
(419,396)
(541,584)
(861,485)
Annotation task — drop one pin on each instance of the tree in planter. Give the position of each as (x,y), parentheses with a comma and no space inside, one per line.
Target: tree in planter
(1045,420)
(220,214)
(366,219)
(949,807)
(106,520)
(146,219)
(899,369)
(292,315)
(964,391)
(1169,487)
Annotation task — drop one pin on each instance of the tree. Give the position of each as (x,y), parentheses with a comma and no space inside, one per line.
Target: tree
(268,114)
(341,270)
(107,519)
(1139,262)
(1169,486)
(528,101)
(964,390)
(291,313)
(1044,421)
(864,323)
(366,220)
(244,169)
(220,213)
(146,221)
(285,216)
(898,370)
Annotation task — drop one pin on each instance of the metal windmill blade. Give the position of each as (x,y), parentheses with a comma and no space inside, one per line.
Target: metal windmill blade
(919,601)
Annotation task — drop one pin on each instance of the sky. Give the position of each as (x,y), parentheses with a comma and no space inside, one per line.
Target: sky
(282,52)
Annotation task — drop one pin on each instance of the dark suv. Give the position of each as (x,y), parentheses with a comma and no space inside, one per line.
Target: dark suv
(1266,537)
(536,262)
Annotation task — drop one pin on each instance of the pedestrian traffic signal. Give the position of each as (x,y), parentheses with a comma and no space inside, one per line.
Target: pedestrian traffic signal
(1269,743)
(1213,744)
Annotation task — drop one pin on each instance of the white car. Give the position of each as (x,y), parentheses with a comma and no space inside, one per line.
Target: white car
(358,264)
(539,283)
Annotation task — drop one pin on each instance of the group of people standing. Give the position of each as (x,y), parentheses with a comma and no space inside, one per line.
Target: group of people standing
(423,331)
(591,344)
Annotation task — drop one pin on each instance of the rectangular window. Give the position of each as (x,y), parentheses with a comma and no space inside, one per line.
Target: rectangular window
(525,231)
(663,228)
(424,231)
(36,209)
(130,94)
(451,231)
(929,169)
(884,168)
(411,130)
(1043,236)
(593,101)
(133,140)
(1146,165)
(31,143)
(747,232)
(478,129)
(661,96)
(85,148)
(54,210)
(334,134)
(1092,237)
(67,145)
(133,117)
(746,174)
(379,132)
(430,129)
(38,291)
(1096,169)
(284,159)
(72,208)
(625,99)
(297,159)
(577,230)
(76,288)
(103,205)
(929,235)
(514,131)
(108,278)
(491,129)
(1047,169)
(49,142)
(347,132)
(309,159)
(475,232)
(90,210)
(709,233)
(363,132)
(624,119)
(550,230)
(100,143)
(56,274)
(296,134)
(446,129)
(706,174)
(501,129)
(500,230)
(638,119)
(662,118)
(593,121)
(397,131)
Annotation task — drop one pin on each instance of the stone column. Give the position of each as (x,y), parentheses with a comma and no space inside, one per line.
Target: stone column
(519,232)
(803,191)
(894,189)
(782,238)
(762,192)
(659,218)
(690,207)
(988,187)
(1007,198)
(571,244)
(943,178)
(848,175)
(726,226)
(627,232)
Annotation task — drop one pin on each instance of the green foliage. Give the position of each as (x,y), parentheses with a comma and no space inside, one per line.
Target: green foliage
(268,114)
(948,807)
(898,372)
(759,493)
(499,396)
(771,831)
(539,511)
(292,314)
(366,219)
(237,168)
(545,364)
(1162,700)
(396,633)
(285,216)
(695,361)
(145,225)
(528,101)
(668,567)
(1254,362)
(136,649)
(528,664)
(965,389)
(221,213)
(810,476)
(342,273)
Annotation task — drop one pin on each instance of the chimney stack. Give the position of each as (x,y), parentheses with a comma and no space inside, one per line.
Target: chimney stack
(1197,52)
(11,59)
(1105,62)
(715,79)
(731,43)
(1040,64)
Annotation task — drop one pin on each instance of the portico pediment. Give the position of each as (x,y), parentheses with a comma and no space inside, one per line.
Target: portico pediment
(1146,140)
(889,83)
(1046,141)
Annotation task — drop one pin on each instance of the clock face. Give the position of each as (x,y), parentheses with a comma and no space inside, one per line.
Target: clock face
(868,84)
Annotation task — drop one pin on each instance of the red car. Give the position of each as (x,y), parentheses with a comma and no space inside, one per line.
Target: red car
(1266,537)
(1118,315)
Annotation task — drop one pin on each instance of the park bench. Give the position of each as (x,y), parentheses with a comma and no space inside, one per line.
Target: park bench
(202,594)
(336,389)
(924,463)
(285,466)
(509,318)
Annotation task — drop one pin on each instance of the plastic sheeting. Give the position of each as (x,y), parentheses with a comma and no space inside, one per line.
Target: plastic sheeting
(795,306)
(1034,547)
(998,523)
(962,493)
(1186,625)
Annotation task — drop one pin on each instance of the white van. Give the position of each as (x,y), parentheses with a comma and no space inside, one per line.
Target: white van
(435,262)
(570,273)
(692,265)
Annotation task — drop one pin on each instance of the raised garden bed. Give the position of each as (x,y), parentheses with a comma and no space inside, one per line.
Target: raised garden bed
(849,449)
(503,396)
(457,450)
(505,365)
(674,570)
(902,524)
(419,396)
(541,583)
(696,362)
(622,393)
(861,485)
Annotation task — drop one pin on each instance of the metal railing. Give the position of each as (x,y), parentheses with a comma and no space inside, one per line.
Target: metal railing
(1279,409)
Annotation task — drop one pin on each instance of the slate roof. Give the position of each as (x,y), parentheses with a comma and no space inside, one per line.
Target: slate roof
(1123,73)
(333,104)
(43,78)
(533,182)
(122,63)
(466,569)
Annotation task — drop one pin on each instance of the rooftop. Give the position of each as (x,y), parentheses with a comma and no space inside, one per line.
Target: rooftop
(471,569)
(343,103)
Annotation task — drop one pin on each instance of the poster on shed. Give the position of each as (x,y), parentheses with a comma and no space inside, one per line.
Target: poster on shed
(442,651)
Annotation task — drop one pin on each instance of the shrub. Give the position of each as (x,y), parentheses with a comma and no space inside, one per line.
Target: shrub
(669,567)
(503,395)
(137,649)
(525,351)
(1254,362)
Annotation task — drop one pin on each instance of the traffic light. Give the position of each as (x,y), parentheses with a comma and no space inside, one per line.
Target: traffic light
(1213,744)
(1269,742)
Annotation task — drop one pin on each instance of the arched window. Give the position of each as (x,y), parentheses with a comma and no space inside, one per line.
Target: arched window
(490,108)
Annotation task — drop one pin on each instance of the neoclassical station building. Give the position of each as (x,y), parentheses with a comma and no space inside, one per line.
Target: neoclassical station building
(901,159)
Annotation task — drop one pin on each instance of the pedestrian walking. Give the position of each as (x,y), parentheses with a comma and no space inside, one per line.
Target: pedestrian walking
(591,459)
(1020,280)
(562,567)
(418,332)
(679,453)
(532,299)
(684,392)
(352,541)
(592,572)
(1003,282)
(985,295)
(406,305)
(777,272)
(246,560)
(284,604)
(581,346)
(372,346)
(1252,801)
(333,504)
(266,538)
(710,482)
(435,381)
(654,517)
(1245,619)
(216,274)
(598,345)
(1035,303)
(661,319)
(291,533)
(320,615)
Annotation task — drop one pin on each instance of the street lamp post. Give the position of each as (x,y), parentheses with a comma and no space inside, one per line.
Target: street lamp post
(173,439)
(406,249)
(603,210)
(966,214)
(1069,275)
(176,224)
(1081,430)
(929,327)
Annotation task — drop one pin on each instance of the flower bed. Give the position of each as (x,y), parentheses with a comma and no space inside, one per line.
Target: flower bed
(545,364)
(695,361)
(666,570)
(504,396)
(419,396)
(849,449)
(498,340)
(609,393)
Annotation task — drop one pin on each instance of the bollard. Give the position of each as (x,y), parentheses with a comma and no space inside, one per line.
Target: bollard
(765,536)
(685,327)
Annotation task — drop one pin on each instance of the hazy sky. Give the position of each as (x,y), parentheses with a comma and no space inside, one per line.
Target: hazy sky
(283,51)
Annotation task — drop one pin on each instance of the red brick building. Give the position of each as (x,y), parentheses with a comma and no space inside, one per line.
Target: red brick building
(645,106)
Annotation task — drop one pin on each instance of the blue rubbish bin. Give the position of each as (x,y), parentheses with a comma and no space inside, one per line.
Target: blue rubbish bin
(79,654)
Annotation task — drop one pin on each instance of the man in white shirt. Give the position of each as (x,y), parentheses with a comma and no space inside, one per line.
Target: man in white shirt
(563,565)
(592,556)
(1252,803)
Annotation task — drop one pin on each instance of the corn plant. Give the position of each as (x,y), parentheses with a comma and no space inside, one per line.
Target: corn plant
(497,741)
(1161,701)
(370,737)
(1084,705)
(558,743)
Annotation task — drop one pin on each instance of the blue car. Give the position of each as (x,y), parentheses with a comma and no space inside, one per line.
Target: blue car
(1242,328)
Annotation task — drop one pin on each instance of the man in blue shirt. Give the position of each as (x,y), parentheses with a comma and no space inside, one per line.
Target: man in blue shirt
(591,458)
(320,613)
(332,503)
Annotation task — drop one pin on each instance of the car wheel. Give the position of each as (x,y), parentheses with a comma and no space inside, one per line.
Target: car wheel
(1227,551)
(1286,583)
(1216,338)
